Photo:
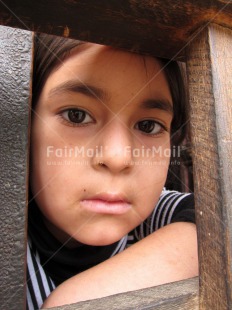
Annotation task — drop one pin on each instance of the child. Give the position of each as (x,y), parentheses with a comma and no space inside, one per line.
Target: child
(103,124)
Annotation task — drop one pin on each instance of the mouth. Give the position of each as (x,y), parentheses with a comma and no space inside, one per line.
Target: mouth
(107,203)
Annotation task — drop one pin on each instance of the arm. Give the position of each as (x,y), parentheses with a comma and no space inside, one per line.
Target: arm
(169,254)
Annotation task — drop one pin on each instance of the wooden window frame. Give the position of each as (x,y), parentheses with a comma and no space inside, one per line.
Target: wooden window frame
(199,34)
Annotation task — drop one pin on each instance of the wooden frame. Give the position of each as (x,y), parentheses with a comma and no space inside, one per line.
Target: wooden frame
(210,64)
(15,92)
(179,29)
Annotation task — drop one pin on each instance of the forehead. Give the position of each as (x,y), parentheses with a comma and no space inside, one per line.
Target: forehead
(112,69)
(95,54)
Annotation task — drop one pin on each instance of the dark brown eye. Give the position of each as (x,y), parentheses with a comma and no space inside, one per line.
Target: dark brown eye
(149,127)
(77,116)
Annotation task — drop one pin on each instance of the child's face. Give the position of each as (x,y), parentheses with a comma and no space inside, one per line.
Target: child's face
(100,144)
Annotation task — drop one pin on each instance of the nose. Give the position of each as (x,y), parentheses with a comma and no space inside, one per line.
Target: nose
(116,145)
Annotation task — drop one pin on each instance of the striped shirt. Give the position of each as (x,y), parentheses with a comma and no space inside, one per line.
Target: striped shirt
(171,207)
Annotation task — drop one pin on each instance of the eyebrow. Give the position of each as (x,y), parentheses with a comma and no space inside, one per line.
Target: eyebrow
(78,87)
(98,93)
(161,104)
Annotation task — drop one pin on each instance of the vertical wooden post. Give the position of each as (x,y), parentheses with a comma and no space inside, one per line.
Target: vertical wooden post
(15,94)
(209,67)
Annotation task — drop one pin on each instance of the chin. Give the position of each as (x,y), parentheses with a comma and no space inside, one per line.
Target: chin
(101,240)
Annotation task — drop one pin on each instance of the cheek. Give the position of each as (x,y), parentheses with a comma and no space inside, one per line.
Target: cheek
(153,177)
(46,172)
(151,180)
(54,178)
(154,162)
(55,191)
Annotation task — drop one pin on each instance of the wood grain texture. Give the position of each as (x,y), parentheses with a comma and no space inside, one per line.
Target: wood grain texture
(210,83)
(15,72)
(182,295)
(158,27)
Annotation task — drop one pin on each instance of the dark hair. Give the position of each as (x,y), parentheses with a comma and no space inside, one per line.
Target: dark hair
(50,51)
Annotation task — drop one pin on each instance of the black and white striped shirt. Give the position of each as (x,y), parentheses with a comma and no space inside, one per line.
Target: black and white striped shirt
(171,207)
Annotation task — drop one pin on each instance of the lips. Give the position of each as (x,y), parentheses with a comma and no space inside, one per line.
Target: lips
(107,204)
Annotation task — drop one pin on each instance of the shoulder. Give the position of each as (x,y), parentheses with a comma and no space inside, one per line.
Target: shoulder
(172,207)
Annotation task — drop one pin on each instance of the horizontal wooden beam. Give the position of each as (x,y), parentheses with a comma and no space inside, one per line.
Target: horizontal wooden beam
(177,295)
(158,27)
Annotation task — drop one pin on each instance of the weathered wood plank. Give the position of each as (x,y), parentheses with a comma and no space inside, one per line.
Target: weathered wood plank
(210,83)
(15,72)
(182,295)
(144,26)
